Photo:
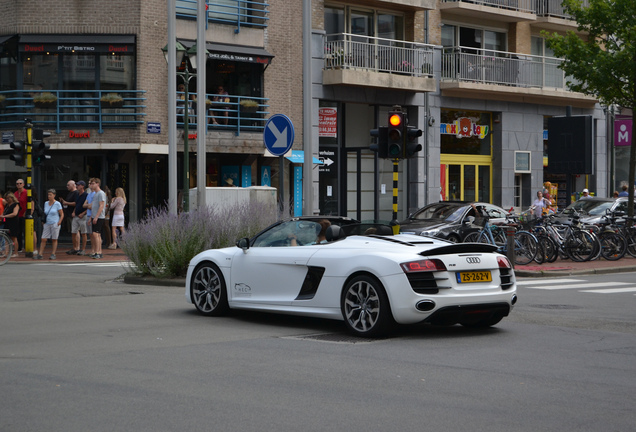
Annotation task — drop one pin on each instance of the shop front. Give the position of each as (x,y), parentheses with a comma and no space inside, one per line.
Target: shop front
(466,155)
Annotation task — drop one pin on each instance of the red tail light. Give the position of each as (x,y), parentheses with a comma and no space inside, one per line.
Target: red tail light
(503,262)
(427,265)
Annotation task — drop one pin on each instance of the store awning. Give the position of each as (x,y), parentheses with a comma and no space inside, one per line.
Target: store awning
(240,53)
(298,156)
(121,44)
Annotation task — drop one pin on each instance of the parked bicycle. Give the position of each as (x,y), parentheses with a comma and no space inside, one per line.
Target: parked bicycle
(571,241)
(525,244)
(6,246)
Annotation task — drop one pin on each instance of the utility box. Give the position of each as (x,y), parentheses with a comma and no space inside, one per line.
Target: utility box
(220,197)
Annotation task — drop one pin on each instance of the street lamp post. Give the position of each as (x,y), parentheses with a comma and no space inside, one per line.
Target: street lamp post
(186,76)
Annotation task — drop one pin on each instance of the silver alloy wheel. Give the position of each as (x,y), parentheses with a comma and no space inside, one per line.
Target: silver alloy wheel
(208,290)
(362,306)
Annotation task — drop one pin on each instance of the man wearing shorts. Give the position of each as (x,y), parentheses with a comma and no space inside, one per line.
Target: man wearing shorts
(79,221)
(98,213)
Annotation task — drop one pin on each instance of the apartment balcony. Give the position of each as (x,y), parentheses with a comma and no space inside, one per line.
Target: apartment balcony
(497,75)
(493,10)
(61,109)
(551,15)
(415,4)
(375,62)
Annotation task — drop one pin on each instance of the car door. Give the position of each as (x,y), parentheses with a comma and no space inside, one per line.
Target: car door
(264,275)
(272,271)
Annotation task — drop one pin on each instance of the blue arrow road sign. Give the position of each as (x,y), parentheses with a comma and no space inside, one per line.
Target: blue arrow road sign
(278,134)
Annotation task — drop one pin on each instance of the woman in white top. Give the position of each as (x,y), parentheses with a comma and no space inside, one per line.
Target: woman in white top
(54,215)
(118,203)
(539,204)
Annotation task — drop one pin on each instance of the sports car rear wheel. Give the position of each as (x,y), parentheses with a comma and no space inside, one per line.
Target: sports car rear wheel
(365,307)
(208,291)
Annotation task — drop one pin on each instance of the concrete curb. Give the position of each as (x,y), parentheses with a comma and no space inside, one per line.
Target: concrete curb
(152,281)
(572,272)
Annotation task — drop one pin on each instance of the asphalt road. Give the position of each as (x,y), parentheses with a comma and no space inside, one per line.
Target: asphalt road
(80,351)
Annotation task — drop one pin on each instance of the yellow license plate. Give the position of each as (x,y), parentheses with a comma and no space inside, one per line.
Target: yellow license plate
(475,276)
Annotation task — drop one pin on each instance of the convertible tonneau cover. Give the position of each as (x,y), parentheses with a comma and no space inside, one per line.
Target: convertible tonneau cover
(458,248)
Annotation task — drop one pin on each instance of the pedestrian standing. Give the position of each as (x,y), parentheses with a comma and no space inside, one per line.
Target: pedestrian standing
(68,204)
(78,229)
(97,213)
(11,219)
(21,196)
(117,205)
(54,215)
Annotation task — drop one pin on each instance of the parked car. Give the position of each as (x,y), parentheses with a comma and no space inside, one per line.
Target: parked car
(591,210)
(449,220)
(363,275)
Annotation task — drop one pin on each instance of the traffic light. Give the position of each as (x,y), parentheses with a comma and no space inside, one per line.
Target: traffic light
(40,147)
(381,146)
(397,122)
(411,145)
(19,152)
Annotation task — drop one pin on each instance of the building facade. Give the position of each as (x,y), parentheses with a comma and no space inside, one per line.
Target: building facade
(475,77)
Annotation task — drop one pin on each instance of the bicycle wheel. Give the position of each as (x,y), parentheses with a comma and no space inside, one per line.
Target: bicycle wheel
(630,236)
(613,246)
(6,248)
(525,247)
(474,237)
(546,249)
(581,246)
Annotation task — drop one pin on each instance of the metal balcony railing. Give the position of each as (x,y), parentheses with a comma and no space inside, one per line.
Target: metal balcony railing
(554,8)
(62,109)
(502,68)
(226,112)
(251,13)
(349,51)
(528,6)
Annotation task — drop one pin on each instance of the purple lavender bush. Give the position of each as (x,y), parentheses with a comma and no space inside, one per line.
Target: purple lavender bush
(162,244)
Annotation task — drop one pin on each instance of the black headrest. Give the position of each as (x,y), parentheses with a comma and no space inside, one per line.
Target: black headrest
(384,230)
(334,232)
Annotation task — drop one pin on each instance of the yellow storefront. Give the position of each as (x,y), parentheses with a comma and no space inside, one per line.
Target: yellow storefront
(466,155)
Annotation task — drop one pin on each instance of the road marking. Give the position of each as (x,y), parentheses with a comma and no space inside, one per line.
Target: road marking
(612,290)
(541,281)
(579,286)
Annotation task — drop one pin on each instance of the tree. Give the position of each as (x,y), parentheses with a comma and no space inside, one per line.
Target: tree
(604,63)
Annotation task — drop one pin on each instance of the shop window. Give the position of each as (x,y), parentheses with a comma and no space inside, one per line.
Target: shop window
(465,132)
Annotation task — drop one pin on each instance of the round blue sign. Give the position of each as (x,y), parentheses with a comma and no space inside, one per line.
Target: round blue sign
(278,134)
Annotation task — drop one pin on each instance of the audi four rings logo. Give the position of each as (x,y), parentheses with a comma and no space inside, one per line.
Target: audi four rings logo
(473,260)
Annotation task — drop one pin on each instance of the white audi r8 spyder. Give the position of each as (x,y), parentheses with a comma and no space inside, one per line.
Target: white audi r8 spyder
(337,268)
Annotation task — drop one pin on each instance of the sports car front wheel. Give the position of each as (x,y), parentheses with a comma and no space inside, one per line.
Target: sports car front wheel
(365,307)
(207,290)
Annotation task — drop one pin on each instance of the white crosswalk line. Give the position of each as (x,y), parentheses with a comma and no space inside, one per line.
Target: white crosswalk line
(541,281)
(578,286)
(611,290)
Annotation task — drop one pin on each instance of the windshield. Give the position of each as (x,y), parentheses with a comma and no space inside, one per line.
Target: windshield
(589,207)
(441,212)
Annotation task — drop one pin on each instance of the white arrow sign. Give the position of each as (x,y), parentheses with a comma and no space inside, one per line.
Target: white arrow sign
(327,161)
(281,137)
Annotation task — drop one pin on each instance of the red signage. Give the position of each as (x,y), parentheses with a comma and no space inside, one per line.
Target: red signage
(73,134)
(328,122)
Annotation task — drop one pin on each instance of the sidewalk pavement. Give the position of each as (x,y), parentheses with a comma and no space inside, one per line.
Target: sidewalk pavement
(62,256)
(558,268)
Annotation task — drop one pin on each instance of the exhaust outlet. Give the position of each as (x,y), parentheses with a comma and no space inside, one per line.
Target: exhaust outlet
(425,305)
(514,300)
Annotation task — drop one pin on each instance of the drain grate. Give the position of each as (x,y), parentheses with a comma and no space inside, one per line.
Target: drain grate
(339,338)
(556,306)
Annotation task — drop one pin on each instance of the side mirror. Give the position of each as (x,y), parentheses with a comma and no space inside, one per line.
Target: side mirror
(243,243)
(469,220)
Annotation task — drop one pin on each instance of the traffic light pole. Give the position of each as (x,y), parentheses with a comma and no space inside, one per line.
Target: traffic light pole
(28,216)
(395,224)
